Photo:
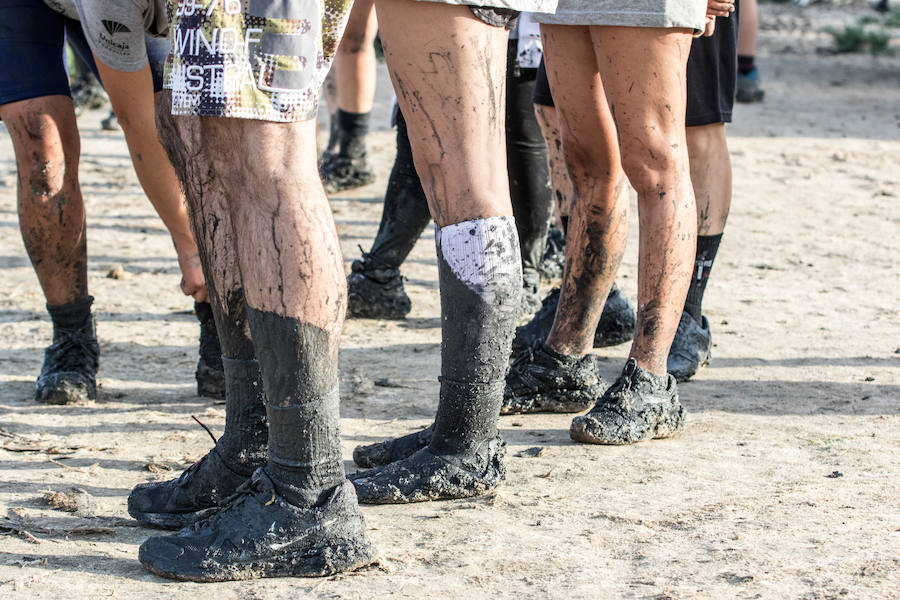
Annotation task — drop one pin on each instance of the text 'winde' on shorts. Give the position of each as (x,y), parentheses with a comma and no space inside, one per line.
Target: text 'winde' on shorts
(252,59)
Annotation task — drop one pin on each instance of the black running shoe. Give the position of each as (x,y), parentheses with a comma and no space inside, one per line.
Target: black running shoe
(690,349)
(69,373)
(210,374)
(616,324)
(257,533)
(179,502)
(392,450)
(425,476)
(638,406)
(343,173)
(375,291)
(541,380)
(551,267)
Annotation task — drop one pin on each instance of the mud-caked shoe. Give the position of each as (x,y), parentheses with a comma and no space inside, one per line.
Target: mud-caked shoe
(638,406)
(210,374)
(178,502)
(617,321)
(392,450)
(426,476)
(69,372)
(341,173)
(375,291)
(258,533)
(616,326)
(542,380)
(690,349)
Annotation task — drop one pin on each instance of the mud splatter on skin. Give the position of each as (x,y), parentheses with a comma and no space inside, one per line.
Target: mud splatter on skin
(51,211)
(211,225)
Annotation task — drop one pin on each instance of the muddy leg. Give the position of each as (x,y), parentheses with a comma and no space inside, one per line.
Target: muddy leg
(441,56)
(51,219)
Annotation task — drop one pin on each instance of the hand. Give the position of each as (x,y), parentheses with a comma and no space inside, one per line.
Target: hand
(710,27)
(718,8)
(192,281)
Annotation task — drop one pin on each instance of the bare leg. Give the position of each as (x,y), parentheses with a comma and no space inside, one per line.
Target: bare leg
(354,63)
(598,222)
(443,59)
(560,181)
(710,176)
(51,219)
(344,166)
(51,209)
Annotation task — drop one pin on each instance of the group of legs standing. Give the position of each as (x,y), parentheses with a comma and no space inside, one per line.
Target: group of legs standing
(271,498)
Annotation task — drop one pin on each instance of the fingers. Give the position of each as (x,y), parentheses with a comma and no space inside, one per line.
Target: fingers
(710,27)
(195,289)
(719,8)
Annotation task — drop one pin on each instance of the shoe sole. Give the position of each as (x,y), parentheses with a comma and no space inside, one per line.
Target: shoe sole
(558,401)
(66,395)
(297,564)
(664,428)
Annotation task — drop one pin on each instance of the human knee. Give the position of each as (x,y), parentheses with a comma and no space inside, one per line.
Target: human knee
(653,166)
(46,161)
(706,143)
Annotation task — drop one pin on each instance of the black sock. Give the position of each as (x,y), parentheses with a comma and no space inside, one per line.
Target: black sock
(745,63)
(707,246)
(299,369)
(480,296)
(353,129)
(564,221)
(242,446)
(404,215)
(71,317)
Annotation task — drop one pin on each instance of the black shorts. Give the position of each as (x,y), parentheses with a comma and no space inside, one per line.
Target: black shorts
(711,76)
(32,59)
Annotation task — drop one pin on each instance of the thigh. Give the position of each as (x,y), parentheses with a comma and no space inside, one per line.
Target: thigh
(448,71)
(31,52)
(587,125)
(643,73)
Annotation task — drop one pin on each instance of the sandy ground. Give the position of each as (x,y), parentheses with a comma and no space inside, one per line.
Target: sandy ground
(784,484)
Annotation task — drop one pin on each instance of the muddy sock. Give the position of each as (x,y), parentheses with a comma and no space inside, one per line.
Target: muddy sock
(707,246)
(480,277)
(299,368)
(71,317)
(405,213)
(242,446)
(353,128)
(564,221)
(334,134)
(745,64)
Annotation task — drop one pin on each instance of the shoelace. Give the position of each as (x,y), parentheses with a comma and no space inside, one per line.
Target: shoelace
(243,491)
(74,350)
(188,474)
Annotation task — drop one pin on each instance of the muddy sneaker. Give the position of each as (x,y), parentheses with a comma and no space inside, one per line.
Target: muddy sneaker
(110,122)
(690,350)
(425,476)
(210,374)
(179,502)
(551,267)
(638,406)
(542,380)
(531,293)
(69,372)
(392,450)
(748,89)
(343,173)
(258,533)
(616,324)
(375,291)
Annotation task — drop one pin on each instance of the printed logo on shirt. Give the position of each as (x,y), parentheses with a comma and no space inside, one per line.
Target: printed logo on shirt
(114,27)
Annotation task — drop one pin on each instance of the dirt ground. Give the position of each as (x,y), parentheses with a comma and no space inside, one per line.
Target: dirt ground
(784,484)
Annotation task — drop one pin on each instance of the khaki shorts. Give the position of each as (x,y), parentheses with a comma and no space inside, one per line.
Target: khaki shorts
(252,59)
